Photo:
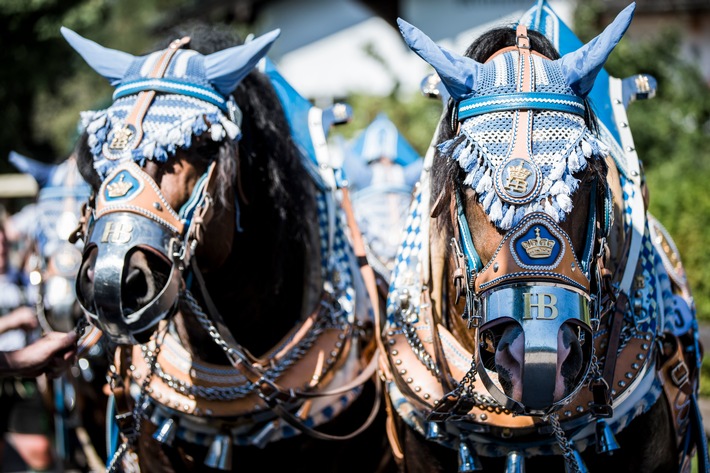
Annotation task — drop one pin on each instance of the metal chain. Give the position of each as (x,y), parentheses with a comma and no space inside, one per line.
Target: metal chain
(563,443)
(139,407)
(277,368)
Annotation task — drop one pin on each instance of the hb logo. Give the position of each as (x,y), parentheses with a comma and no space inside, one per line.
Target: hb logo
(545,305)
(116,232)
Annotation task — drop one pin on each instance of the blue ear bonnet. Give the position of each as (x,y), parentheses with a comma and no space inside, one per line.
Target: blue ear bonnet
(490,100)
(560,142)
(185,75)
(165,99)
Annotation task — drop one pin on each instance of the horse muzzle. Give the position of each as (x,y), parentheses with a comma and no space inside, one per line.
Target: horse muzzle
(120,296)
(543,330)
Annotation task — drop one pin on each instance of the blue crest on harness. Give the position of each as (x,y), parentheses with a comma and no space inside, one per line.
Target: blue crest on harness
(537,247)
(122,186)
(491,99)
(164,99)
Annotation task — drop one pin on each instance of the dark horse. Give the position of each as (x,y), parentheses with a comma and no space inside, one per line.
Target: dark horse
(216,260)
(534,323)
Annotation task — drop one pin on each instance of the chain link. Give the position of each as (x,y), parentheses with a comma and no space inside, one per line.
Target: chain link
(563,443)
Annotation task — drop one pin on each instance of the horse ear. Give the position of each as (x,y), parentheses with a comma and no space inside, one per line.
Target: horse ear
(225,69)
(581,67)
(459,74)
(110,63)
(42,172)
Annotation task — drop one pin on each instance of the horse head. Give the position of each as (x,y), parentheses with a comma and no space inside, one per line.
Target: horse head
(55,215)
(519,191)
(162,160)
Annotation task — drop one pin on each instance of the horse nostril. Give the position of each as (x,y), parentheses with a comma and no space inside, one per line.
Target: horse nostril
(570,357)
(136,283)
(138,287)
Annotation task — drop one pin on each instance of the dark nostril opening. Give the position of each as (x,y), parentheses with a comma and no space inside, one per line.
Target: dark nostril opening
(136,283)
(572,366)
(144,277)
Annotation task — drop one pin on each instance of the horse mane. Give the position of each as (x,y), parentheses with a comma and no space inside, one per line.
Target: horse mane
(446,173)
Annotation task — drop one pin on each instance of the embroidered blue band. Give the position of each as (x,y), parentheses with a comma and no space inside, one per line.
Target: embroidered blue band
(520,101)
(206,94)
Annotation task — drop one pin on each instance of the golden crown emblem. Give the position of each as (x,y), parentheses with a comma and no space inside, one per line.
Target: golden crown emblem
(118,188)
(538,247)
(518,172)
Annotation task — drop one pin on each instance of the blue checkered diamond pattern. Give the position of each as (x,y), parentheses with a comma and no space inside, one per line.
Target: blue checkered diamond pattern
(408,255)
(629,193)
(648,318)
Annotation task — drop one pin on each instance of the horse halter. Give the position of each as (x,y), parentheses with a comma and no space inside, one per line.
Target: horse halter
(534,279)
(130,213)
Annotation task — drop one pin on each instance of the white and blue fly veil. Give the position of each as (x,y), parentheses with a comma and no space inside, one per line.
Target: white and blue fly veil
(522,116)
(164,99)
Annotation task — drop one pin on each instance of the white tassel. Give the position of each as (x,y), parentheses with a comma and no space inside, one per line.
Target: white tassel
(487,201)
(149,149)
(564,202)
(485,184)
(560,188)
(174,137)
(217,132)
(496,212)
(558,168)
(573,162)
(546,184)
(586,149)
(96,124)
(231,128)
(508,219)
(551,211)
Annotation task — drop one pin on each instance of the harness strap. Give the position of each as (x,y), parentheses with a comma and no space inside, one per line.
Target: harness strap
(601,391)
(678,387)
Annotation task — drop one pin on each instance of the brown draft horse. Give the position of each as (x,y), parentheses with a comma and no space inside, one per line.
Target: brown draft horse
(533,319)
(216,262)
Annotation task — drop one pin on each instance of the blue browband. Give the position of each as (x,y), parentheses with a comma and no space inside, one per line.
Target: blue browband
(206,94)
(520,101)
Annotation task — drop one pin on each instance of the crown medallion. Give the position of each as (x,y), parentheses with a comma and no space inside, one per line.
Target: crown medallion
(537,247)
(518,181)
